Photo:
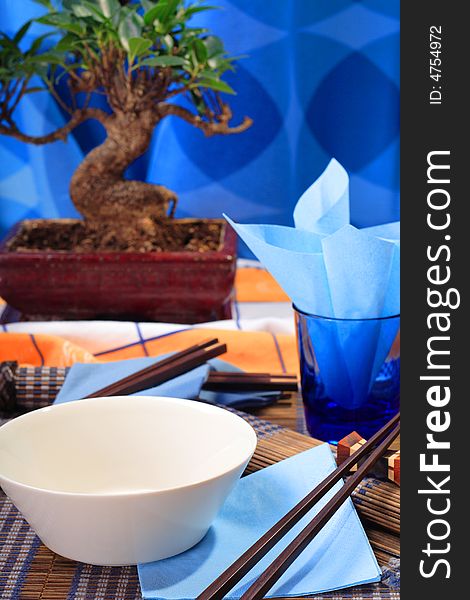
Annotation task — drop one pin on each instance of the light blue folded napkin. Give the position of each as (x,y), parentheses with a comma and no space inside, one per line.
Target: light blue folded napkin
(85,379)
(327,266)
(239,400)
(340,555)
(330,268)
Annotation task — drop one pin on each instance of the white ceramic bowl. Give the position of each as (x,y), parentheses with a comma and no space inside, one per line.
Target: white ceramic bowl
(123,480)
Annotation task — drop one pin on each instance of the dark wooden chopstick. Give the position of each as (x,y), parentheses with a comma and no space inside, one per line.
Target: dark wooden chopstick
(226,380)
(164,370)
(237,570)
(243,374)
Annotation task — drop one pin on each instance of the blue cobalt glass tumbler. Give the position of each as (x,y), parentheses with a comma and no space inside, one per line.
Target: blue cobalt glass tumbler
(350,374)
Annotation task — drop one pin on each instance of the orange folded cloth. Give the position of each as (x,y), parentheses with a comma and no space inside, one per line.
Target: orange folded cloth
(257,285)
(248,350)
(251,351)
(41,350)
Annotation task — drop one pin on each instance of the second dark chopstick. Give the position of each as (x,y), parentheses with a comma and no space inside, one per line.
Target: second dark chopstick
(237,570)
(164,370)
(228,381)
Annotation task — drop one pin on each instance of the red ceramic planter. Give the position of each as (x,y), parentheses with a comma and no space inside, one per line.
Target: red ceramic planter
(180,287)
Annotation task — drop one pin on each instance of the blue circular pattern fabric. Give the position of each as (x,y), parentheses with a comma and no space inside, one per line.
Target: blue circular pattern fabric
(321,80)
(365,118)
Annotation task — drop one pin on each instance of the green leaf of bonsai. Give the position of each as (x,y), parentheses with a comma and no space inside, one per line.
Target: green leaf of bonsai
(147,4)
(214,45)
(67,43)
(21,32)
(63,21)
(214,84)
(138,46)
(36,45)
(192,10)
(81,11)
(170,8)
(200,50)
(95,10)
(155,13)
(130,27)
(108,7)
(163,61)
(49,58)
(161,11)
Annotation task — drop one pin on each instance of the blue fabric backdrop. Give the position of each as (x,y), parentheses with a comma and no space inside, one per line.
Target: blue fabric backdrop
(321,80)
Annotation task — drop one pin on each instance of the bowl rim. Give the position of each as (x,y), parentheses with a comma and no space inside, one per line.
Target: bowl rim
(198,405)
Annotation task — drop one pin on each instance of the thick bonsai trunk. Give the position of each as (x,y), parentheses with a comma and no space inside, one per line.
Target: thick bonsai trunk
(119,207)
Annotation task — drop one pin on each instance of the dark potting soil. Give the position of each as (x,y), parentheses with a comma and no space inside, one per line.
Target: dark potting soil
(74,236)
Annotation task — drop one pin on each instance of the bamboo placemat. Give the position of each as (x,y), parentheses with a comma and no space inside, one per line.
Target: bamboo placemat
(30,571)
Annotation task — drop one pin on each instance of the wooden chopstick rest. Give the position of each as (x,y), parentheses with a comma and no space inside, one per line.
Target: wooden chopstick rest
(394,467)
(387,467)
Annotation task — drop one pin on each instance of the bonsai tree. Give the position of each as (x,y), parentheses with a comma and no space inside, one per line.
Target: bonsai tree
(143,56)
